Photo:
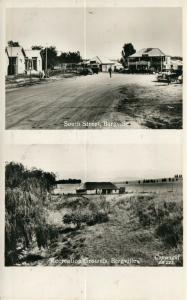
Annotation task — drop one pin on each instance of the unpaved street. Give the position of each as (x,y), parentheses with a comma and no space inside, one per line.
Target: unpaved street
(96,101)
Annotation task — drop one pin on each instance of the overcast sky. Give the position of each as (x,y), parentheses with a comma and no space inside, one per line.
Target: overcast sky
(97,31)
(101,162)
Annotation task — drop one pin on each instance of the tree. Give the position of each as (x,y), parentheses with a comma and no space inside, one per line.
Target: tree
(36,47)
(70,57)
(13,44)
(15,173)
(26,199)
(51,57)
(128,49)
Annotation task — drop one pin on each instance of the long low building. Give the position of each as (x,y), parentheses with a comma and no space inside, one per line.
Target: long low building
(105,63)
(99,188)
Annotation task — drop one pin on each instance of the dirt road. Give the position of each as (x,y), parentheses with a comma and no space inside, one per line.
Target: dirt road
(96,101)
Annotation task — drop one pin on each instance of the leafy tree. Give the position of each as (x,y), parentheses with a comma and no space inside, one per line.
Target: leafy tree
(70,57)
(128,49)
(69,181)
(13,44)
(36,47)
(25,208)
(51,57)
(15,173)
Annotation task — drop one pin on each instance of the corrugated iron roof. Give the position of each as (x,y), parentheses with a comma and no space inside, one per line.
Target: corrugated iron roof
(103,60)
(99,185)
(148,51)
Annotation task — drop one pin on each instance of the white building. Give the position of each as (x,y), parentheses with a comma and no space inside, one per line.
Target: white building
(99,188)
(16,60)
(33,61)
(103,62)
(176,63)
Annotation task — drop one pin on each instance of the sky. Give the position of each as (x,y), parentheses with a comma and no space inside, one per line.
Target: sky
(97,31)
(101,162)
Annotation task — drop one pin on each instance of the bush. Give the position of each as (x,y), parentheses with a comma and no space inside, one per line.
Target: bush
(76,203)
(85,217)
(171,230)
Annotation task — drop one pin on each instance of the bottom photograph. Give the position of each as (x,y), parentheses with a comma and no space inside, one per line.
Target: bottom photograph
(94,205)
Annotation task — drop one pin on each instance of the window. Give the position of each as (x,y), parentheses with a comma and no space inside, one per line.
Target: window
(34,61)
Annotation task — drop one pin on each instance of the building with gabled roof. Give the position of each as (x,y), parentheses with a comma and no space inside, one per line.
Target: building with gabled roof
(103,188)
(103,62)
(16,56)
(33,61)
(148,59)
(151,52)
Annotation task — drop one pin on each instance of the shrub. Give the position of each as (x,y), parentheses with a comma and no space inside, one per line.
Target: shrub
(85,217)
(76,203)
(171,230)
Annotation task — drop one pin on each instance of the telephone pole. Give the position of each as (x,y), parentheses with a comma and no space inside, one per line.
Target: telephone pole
(46,61)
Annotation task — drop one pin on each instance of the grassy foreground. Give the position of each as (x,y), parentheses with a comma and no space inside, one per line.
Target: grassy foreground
(139,229)
(132,229)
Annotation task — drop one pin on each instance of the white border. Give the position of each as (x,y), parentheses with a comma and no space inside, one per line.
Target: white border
(92,283)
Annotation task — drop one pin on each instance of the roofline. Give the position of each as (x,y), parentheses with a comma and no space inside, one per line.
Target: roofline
(114,187)
(148,48)
(22,49)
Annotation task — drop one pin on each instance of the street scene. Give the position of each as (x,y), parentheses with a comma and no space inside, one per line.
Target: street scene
(128,101)
(125,214)
(82,80)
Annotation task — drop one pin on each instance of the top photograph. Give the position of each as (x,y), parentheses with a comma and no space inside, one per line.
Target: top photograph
(93,68)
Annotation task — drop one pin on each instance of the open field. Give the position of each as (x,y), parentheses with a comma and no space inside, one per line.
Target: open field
(132,229)
(95,102)
(174,188)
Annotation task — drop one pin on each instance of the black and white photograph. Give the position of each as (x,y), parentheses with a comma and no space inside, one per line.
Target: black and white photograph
(94,205)
(94,68)
(92,152)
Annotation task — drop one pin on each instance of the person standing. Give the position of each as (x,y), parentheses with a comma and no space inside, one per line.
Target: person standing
(110,71)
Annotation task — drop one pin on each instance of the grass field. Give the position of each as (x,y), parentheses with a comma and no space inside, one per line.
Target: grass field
(132,229)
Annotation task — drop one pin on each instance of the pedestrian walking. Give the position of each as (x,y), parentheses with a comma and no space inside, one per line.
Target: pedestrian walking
(110,71)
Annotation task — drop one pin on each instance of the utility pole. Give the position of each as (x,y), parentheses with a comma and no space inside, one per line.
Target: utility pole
(11,67)
(46,61)
(30,72)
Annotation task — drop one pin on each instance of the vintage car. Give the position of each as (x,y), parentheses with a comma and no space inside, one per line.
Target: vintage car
(167,76)
(85,71)
(95,68)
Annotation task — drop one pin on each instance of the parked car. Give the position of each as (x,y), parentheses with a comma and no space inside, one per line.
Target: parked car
(167,76)
(95,68)
(86,71)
